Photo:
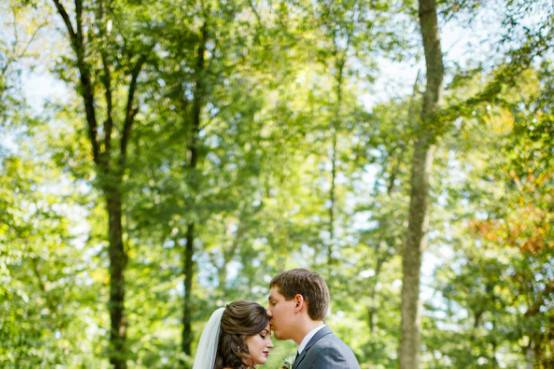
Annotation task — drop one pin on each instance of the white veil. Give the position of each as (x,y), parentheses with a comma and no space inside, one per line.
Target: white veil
(207,346)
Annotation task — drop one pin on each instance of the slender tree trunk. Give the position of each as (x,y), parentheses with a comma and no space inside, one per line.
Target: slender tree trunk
(372,310)
(187,306)
(421,164)
(332,200)
(411,257)
(193,157)
(118,262)
(334,132)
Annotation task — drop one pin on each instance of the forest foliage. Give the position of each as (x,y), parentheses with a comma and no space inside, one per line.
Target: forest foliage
(160,159)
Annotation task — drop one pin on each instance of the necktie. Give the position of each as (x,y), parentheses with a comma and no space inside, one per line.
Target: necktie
(295,360)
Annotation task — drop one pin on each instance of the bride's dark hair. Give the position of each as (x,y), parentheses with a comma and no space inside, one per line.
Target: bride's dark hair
(240,320)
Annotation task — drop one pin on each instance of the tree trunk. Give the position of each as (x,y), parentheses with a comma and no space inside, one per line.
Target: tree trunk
(339,78)
(411,256)
(332,201)
(109,172)
(187,306)
(118,261)
(193,157)
(421,164)
(372,310)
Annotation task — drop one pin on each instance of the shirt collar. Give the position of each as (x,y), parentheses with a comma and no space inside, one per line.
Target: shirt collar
(308,337)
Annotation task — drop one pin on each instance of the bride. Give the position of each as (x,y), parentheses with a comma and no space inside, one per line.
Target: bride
(236,337)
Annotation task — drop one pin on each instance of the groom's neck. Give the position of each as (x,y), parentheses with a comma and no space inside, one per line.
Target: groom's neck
(304,328)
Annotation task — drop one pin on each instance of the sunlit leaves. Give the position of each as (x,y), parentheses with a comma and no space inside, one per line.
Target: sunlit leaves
(261,195)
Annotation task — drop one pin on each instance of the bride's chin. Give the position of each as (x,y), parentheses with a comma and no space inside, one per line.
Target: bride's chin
(258,361)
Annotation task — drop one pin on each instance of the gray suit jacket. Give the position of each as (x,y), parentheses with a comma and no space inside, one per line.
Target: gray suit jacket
(326,351)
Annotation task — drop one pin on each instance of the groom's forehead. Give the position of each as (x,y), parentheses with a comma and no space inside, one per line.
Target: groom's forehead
(274,293)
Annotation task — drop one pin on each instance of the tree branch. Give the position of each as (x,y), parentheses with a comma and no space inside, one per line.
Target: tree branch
(130,112)
(66,20)
(108,123)
(76,38)
(106,80)
(79,18)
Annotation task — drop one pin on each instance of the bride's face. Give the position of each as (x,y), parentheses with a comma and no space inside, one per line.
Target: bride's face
(259,346)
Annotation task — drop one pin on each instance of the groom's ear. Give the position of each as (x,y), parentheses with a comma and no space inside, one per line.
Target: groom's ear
(298,302)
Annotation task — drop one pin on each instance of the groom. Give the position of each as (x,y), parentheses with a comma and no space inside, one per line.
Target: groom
(298,301)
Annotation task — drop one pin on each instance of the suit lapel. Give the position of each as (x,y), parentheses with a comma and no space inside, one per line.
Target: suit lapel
(322,332)
(296,359)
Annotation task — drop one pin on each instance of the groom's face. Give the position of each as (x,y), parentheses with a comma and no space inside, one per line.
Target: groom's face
(282,314)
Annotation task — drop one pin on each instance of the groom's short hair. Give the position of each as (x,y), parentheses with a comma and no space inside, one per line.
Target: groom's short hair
(309,284)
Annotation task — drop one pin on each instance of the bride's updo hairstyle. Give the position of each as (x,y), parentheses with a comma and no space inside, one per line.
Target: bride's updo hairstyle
(240,319)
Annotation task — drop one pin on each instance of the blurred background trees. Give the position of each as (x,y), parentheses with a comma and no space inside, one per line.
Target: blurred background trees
(160,159)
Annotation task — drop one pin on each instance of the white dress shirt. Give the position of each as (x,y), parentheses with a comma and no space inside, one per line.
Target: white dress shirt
(308,337)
